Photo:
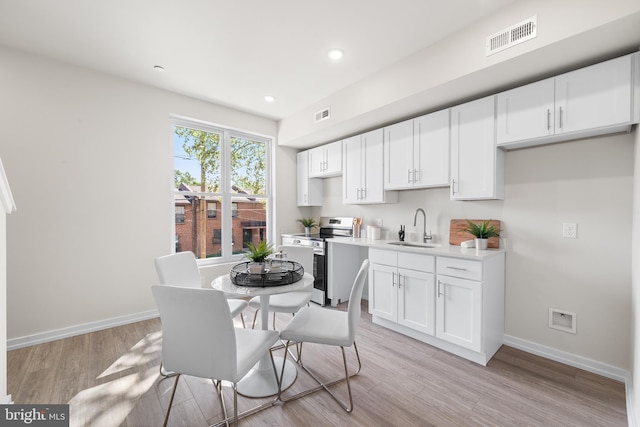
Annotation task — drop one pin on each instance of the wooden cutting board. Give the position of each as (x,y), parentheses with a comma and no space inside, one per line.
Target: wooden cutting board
(457,234)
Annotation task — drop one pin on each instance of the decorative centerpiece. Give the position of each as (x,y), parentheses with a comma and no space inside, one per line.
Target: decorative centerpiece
(308,224)
(482,231)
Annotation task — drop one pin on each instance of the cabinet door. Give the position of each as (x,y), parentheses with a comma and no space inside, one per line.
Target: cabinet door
(373,162)
(458,312)
(473,151)
(416,300)
(316,161)
(431,150)
(526,112)
(309,191)
(595,96)
(333,159)
(398,156)
(383,295)
(351,170)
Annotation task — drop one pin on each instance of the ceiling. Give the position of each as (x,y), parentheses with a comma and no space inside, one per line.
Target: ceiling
(235,52)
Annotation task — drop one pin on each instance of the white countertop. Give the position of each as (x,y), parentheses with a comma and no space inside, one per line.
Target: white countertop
(444,250)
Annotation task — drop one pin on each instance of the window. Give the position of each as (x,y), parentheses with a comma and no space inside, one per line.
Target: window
(211,210)
(179,215)
(222,189)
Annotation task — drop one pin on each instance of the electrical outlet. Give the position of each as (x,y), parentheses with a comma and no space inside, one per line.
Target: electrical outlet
(570,230)
(378,222)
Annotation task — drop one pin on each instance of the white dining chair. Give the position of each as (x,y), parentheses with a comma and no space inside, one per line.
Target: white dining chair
(327,326)
(199,339)
(181,269)
(289,302)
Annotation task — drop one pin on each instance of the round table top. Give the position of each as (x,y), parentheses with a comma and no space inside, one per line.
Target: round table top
(223,283)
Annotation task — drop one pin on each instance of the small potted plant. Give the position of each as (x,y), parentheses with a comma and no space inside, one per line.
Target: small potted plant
(481,231)
(258,255)
(308,224)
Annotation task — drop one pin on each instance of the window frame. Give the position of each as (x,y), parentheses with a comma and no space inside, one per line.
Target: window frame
(226,195)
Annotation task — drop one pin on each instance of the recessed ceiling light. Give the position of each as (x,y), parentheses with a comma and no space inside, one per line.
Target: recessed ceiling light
(335,54)
(158,67)
(269,98)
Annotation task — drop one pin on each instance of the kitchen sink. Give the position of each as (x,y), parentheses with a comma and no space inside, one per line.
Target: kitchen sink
(415,244)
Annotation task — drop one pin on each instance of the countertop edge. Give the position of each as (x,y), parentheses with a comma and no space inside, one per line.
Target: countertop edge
(444,250)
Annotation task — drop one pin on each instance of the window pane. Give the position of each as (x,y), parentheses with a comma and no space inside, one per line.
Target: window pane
(248,166)
(250,224)
(197,233)
(197,159)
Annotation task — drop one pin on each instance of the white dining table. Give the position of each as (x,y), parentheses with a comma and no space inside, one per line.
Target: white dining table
(260,381)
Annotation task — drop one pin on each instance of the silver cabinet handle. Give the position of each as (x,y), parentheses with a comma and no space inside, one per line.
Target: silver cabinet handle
(453,187)
(393,279)
(399,284)
(416,175)
(409,176)
(363,193)
(440,293)
(548,119)
(560,117)
(457,268)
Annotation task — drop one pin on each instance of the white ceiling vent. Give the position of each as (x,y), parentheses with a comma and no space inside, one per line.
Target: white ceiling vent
(323,114)
(511,36)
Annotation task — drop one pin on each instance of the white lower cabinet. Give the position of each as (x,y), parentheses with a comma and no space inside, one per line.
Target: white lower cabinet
(456,304)
(401,289)
(459,308)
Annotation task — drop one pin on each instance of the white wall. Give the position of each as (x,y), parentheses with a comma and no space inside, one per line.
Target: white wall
(90,161)
(588,182)
(633,397)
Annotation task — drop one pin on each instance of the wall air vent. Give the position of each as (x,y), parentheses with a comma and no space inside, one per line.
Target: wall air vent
(323,114)
(511,36)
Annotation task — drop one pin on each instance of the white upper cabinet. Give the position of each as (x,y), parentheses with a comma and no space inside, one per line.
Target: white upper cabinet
(326,161)
(477,167)
(417,152)
(590,101)
(362,178)
(309,190)
(526,112)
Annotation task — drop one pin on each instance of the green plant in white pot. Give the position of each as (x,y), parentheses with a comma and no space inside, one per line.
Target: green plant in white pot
(482,231)
(308,224)
(258,254)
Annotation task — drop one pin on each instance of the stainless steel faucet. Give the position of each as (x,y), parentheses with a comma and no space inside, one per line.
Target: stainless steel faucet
(425,237)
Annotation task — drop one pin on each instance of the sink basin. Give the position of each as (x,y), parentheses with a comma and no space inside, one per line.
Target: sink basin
(415,244)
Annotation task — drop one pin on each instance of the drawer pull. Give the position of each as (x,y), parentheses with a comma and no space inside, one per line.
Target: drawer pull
(440,293)
(457,268)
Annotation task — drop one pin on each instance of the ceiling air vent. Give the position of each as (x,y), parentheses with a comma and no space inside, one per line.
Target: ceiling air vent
(323,114)
(511,36)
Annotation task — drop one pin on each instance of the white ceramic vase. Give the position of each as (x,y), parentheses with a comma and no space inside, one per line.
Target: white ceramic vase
(482,243)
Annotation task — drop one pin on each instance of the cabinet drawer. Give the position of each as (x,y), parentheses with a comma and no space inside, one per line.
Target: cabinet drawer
(457,267)
(379,256)
(418,262)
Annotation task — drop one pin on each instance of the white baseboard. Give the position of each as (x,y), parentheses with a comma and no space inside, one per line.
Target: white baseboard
(570,359)
(26,341)
(631,407)
(6,400)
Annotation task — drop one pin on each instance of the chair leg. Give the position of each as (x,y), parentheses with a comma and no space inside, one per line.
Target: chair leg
(255,316)
(173,393)
(326,386)
(252,411)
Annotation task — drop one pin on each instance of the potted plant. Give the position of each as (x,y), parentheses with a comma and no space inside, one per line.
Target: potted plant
(308,224)
(481,231)
(258,254)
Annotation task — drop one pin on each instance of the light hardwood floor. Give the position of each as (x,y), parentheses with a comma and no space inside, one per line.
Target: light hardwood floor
(110,378)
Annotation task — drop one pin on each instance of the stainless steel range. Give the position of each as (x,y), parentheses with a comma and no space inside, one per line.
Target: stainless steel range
(329,227)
